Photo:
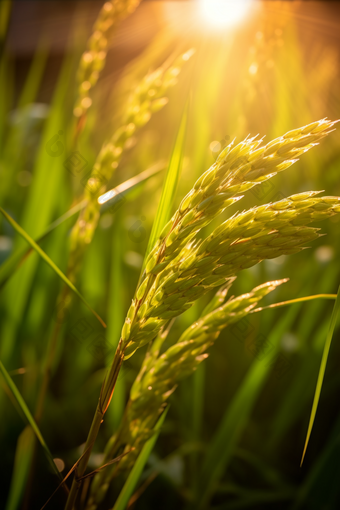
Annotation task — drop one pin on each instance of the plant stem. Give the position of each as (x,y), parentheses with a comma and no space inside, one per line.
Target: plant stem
(103,403)
(80,470)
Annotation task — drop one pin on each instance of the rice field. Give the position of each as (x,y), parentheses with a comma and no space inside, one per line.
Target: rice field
(169,247)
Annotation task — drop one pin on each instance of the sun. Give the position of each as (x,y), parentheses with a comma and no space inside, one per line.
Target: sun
(223,13)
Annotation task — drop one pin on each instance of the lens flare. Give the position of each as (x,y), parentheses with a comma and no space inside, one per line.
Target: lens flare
(222,13)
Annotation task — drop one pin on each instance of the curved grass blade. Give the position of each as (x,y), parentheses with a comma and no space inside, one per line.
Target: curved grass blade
(22,404)
(170,184)
(114,196)
(47,259)
(293,301)
(22,461)
(138,467)
(115,318)
(8,268)
(300,388)
(322,370)
(318,488)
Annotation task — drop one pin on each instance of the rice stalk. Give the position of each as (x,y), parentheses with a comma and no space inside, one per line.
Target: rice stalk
(179,271)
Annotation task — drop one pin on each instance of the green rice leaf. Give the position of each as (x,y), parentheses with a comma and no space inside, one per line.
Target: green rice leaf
(322,370)
(170,183)
(22,462)
(114,196)
(8,268)
(22,404)
(115,319)
(296,300)
(138,467)
(47,259)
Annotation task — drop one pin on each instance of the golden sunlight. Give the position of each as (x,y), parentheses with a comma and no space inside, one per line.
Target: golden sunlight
(222,13)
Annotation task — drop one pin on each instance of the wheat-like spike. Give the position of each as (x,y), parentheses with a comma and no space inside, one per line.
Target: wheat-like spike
(93,59)
(237,169)
(147,98)
(182,356)
(160,374)
(240,242)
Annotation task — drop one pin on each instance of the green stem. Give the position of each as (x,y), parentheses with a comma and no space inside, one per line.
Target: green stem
(80,470)
(103,403)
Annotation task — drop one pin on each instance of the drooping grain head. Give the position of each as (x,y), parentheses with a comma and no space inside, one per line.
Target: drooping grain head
(147,98)
(93,59)
(179,271)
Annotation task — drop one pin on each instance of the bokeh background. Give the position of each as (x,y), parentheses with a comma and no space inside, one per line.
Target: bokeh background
(274,69)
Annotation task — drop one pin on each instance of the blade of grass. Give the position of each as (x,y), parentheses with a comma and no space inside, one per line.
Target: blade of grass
(321,375)
(170,184)
(198,386)
(116,318)
(138,467)
(318,488)
(23,456)
(8,268)
(22,404)
(16,132)
(47,259)
(110,198)
(296,398)
(297,300)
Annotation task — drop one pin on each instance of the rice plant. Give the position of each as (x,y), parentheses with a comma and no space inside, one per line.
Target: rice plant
(154,256)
